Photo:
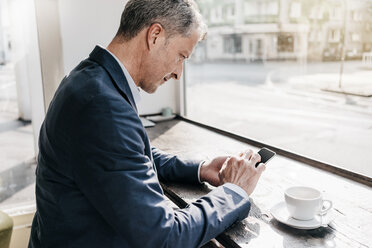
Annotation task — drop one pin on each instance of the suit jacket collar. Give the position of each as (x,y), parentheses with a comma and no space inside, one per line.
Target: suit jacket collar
(105,59)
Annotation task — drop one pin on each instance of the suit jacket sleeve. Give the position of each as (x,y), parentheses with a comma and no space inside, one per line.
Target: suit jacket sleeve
(171,168)
(119,180)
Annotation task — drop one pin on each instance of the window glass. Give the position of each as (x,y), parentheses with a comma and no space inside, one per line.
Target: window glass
(295,74)
(17,154)
(232,44)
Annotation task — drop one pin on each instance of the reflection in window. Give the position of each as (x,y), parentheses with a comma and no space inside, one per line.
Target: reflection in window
(356,16)
(17,162)
(295,10)
(232,44)
(334,35)
(355,37)
(216,15)
(268,70)
(258,11)
(335,14)
(230,12)
(285,43)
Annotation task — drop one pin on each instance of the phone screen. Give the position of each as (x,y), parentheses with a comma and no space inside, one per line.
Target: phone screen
(266,155)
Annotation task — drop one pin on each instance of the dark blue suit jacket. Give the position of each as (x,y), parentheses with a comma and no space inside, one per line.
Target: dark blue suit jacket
(97,179)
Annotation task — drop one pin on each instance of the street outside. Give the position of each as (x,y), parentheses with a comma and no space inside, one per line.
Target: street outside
(16,137)
(8,92)
(283,104)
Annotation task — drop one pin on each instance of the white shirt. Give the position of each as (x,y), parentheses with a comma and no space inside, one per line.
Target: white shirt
(133,87)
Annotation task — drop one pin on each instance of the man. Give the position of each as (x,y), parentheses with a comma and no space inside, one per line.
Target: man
(97,180)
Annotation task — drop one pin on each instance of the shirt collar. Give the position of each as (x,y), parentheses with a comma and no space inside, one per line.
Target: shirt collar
(133,87)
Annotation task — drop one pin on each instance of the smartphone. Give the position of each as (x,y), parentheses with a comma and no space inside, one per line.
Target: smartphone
(266,154)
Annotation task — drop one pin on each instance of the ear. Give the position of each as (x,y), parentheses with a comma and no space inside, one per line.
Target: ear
(154,34)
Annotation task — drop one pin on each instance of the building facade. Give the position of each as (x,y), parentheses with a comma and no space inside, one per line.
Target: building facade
(251,30)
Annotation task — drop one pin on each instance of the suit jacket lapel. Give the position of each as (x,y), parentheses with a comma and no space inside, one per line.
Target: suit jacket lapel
(102,57)
(105,59)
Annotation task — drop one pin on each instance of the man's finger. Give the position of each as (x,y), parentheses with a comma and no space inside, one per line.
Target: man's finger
(255,158)
(246,154)
(226,162)
(261,168)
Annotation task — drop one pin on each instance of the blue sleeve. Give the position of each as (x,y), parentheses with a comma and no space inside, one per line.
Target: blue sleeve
(237,189)
(120,182)
(171,168)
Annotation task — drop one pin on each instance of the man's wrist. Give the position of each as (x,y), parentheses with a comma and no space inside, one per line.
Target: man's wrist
(199,171)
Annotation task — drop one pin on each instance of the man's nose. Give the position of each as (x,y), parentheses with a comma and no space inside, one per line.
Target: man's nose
(178,72)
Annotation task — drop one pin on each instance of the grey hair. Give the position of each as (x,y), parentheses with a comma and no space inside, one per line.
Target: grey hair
(176,16)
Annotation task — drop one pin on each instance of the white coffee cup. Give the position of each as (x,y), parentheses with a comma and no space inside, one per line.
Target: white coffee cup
(304,203)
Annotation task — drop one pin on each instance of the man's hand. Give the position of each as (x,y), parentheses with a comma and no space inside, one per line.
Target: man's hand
(242,171)
(239,170)
(210,169)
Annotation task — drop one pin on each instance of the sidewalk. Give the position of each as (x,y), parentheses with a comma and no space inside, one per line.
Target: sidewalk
(329,127)
(356,83)
(17,162)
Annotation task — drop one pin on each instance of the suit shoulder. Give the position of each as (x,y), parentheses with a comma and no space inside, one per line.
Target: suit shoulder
(87,89)
(87,80)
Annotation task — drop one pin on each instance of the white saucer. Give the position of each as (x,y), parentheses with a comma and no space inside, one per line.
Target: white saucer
(280,213)
(160,118)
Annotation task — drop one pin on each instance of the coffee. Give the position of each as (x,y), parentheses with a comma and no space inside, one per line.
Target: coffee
(304,203)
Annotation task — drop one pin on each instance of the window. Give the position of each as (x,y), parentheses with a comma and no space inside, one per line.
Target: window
(320,36)
(17,154)
(281,85)
(230,12)
(261,8)
(295,10)
(334,36)
(285,43)
(232,44)
(355,37)
(272,8)
(216,14)
(335,13)
(250,8)
(312,36)
(356,16)
(315,36)
(313,13)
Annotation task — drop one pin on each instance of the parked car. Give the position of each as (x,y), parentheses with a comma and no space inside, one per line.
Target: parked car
(353,55)
(331,55)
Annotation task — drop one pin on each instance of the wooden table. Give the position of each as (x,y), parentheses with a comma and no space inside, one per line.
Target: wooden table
(352,201)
